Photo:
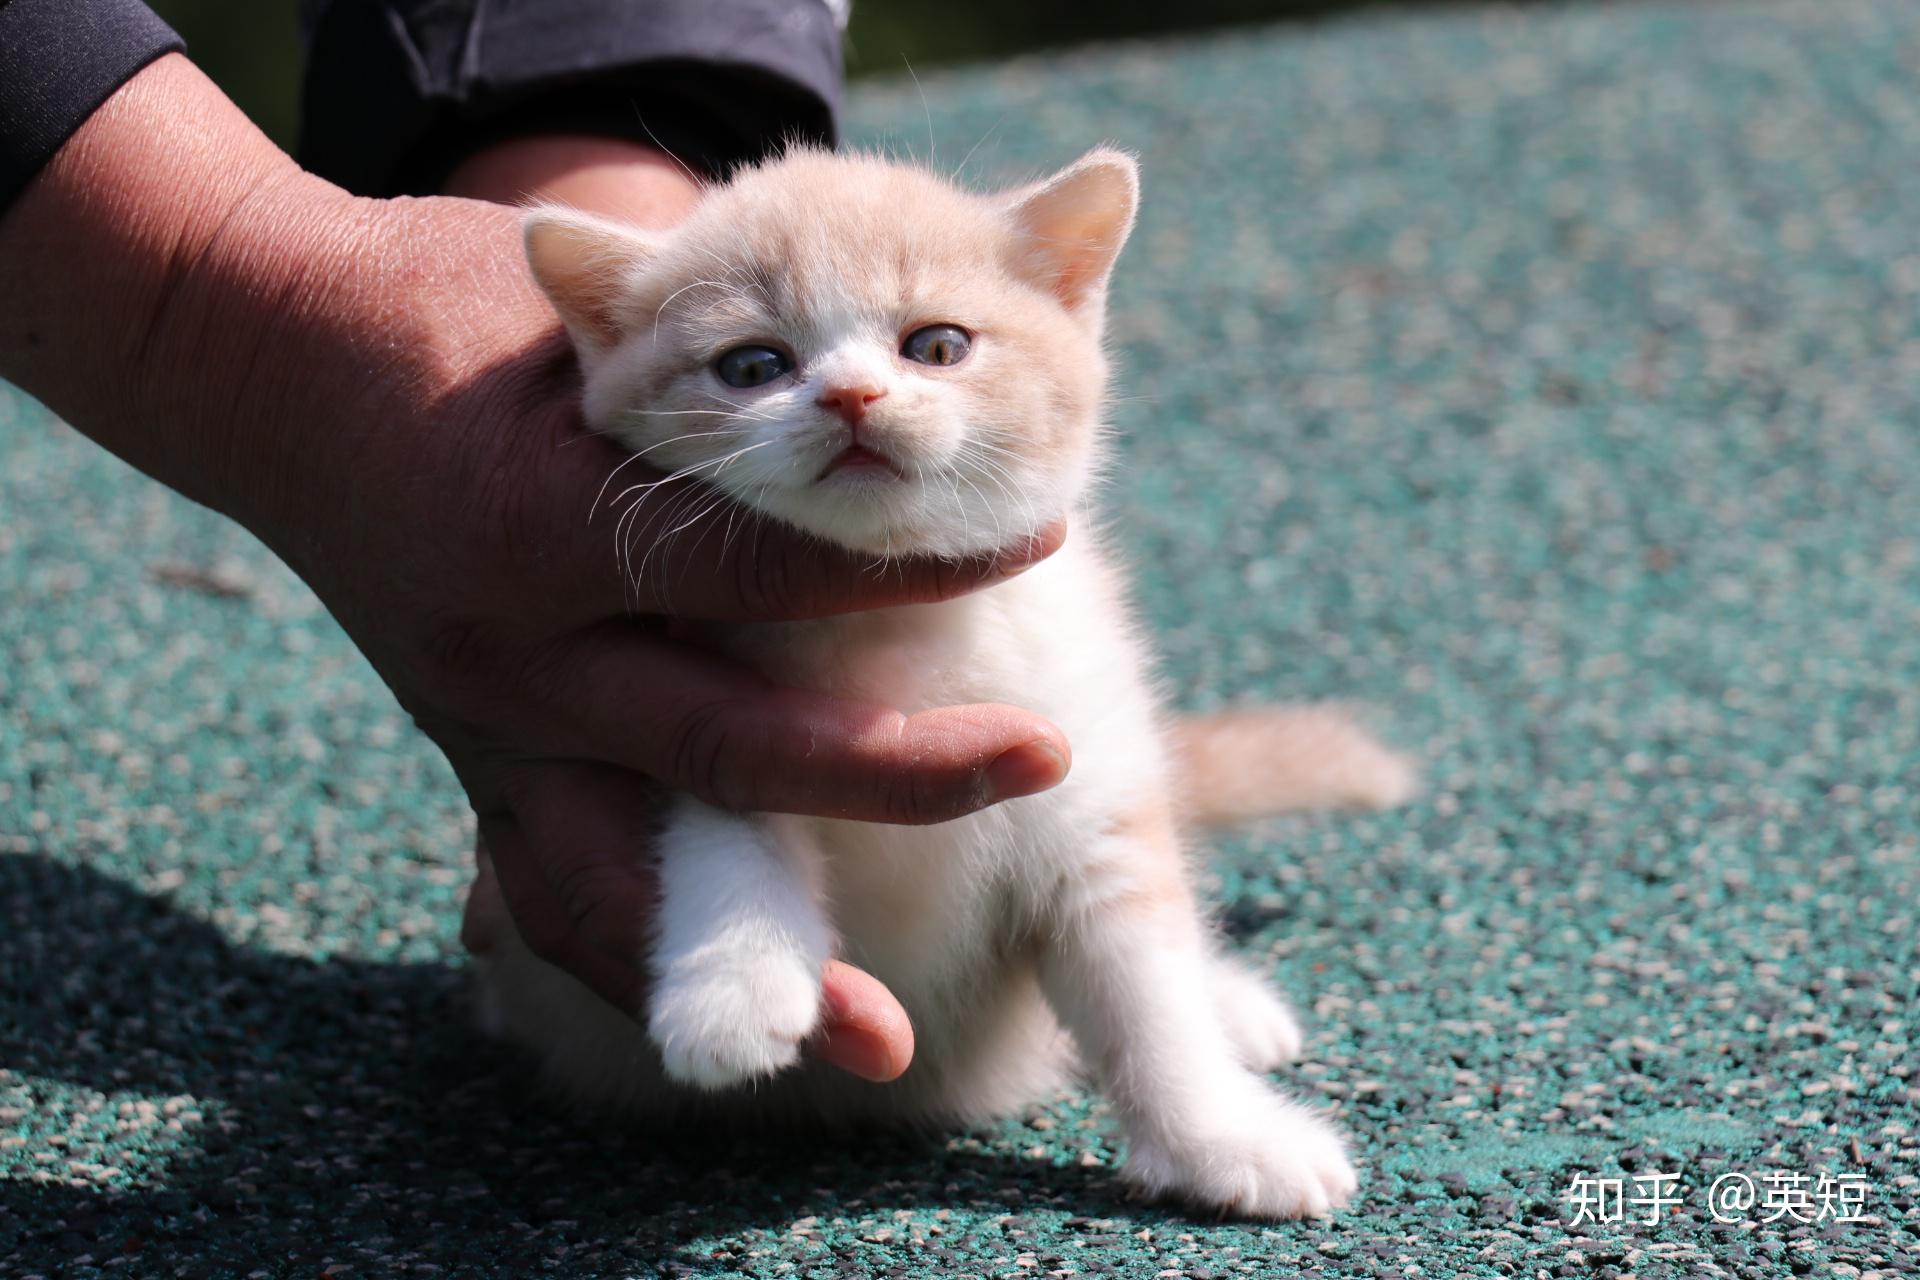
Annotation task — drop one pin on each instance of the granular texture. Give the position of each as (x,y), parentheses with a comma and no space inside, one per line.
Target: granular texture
(1547,382)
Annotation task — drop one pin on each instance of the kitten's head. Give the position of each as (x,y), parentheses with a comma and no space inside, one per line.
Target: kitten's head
(854,346)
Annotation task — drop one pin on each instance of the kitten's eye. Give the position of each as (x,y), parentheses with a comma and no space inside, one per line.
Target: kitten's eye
(937,344)
(751,366)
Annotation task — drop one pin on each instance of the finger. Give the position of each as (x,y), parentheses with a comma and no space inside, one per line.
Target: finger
(571,860)
(615,536)
(544,927)
(564,808)
(702,724)
(864,1030)
(728,564)
(482,918)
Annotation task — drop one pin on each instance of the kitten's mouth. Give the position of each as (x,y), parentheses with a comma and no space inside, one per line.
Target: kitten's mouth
(857,459)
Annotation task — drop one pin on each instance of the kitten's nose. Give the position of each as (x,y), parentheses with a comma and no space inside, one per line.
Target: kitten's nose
(850,400)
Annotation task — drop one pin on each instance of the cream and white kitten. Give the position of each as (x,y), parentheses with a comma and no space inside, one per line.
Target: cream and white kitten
(868,353)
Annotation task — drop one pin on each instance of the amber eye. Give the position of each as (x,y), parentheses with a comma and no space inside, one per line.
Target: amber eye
(751,366)
(937,344)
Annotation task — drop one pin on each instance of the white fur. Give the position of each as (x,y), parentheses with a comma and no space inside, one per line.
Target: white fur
(1070,909)
(736,967)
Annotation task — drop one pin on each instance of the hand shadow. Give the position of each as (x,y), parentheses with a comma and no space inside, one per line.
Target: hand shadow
(352,1116)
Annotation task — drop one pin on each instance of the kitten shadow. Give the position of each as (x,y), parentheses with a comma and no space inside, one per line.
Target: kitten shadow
(351,1116)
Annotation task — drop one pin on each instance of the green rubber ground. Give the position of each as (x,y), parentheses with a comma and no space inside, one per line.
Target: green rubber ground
(1549,382)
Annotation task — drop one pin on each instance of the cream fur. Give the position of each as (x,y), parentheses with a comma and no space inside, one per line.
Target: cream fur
(1069,909)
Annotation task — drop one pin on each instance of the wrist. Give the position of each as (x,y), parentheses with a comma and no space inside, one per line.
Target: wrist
(609,176)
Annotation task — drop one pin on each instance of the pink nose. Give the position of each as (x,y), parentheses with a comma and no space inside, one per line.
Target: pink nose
(850,402)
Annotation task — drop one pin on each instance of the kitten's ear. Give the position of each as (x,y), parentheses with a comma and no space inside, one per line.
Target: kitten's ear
(586,266)
(1072,225)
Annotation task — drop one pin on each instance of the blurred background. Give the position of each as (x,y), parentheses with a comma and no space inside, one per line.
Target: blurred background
(252,47)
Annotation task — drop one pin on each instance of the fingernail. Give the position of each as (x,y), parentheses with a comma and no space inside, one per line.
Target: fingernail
(856,1050)
(1025,770)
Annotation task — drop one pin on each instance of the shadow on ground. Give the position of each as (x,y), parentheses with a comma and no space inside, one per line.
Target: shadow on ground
(314,1079)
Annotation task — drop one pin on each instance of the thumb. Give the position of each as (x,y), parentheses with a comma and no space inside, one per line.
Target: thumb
(863,1028)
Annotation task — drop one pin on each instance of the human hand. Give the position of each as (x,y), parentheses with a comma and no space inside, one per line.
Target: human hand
(377,390)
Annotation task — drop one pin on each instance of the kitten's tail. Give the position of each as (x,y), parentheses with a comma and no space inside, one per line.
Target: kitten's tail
(1266,760)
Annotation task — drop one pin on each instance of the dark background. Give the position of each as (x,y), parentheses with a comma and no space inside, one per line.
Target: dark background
(252,48)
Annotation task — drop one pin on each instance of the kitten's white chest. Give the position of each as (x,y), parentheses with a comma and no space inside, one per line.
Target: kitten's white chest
(931,910)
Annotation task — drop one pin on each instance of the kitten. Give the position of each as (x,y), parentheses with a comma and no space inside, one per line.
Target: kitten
(899,366)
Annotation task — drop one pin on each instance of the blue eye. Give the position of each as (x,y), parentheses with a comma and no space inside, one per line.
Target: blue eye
(938,344)
(751,366)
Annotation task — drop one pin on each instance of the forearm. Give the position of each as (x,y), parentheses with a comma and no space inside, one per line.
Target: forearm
(147,265)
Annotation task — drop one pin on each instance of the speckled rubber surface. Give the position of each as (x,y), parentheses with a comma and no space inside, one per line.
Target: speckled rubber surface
(1550,383)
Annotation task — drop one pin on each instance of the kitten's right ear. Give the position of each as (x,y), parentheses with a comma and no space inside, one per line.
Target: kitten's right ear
(1073,225)
(586,266)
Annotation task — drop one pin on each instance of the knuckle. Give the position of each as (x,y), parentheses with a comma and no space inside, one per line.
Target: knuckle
(922,798)
(702,754)
(540,674)
(546,934)
(463,650)
(585,891)
(504,499)
(514,516)
(481,665)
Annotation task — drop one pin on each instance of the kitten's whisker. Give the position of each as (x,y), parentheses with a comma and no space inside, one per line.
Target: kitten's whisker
(623,464)
(741,411)
(675,505)
(673,413)
(697,284)
(1011,484)
(999,533)
(680,502)
(748,506)
(1001,480)
(933,151)
(976,146)
(694,178)
(661,545)
(742,278)
(960,503)
(690,435)
(693,469)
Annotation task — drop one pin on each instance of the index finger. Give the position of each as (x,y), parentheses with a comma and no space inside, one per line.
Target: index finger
(725,563)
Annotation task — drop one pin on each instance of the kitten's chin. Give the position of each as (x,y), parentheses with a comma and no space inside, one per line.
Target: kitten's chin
(891,529)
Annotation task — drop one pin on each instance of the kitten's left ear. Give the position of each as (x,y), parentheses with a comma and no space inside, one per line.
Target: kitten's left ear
(1072,225)
(586,267)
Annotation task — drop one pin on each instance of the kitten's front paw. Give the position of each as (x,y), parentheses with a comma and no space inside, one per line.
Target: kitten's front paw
(722,1020)
(1263,1030)
(1272,1159)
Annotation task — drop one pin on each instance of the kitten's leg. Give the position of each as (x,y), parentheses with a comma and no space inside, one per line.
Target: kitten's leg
(742,940)
(1264,1032)
(1127,956)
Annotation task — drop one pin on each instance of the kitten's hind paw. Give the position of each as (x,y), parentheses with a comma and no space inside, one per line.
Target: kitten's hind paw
(721,1021)
(1275,1160)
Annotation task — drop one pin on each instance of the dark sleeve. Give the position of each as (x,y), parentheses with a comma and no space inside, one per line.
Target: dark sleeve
(398,92)
(59,60)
